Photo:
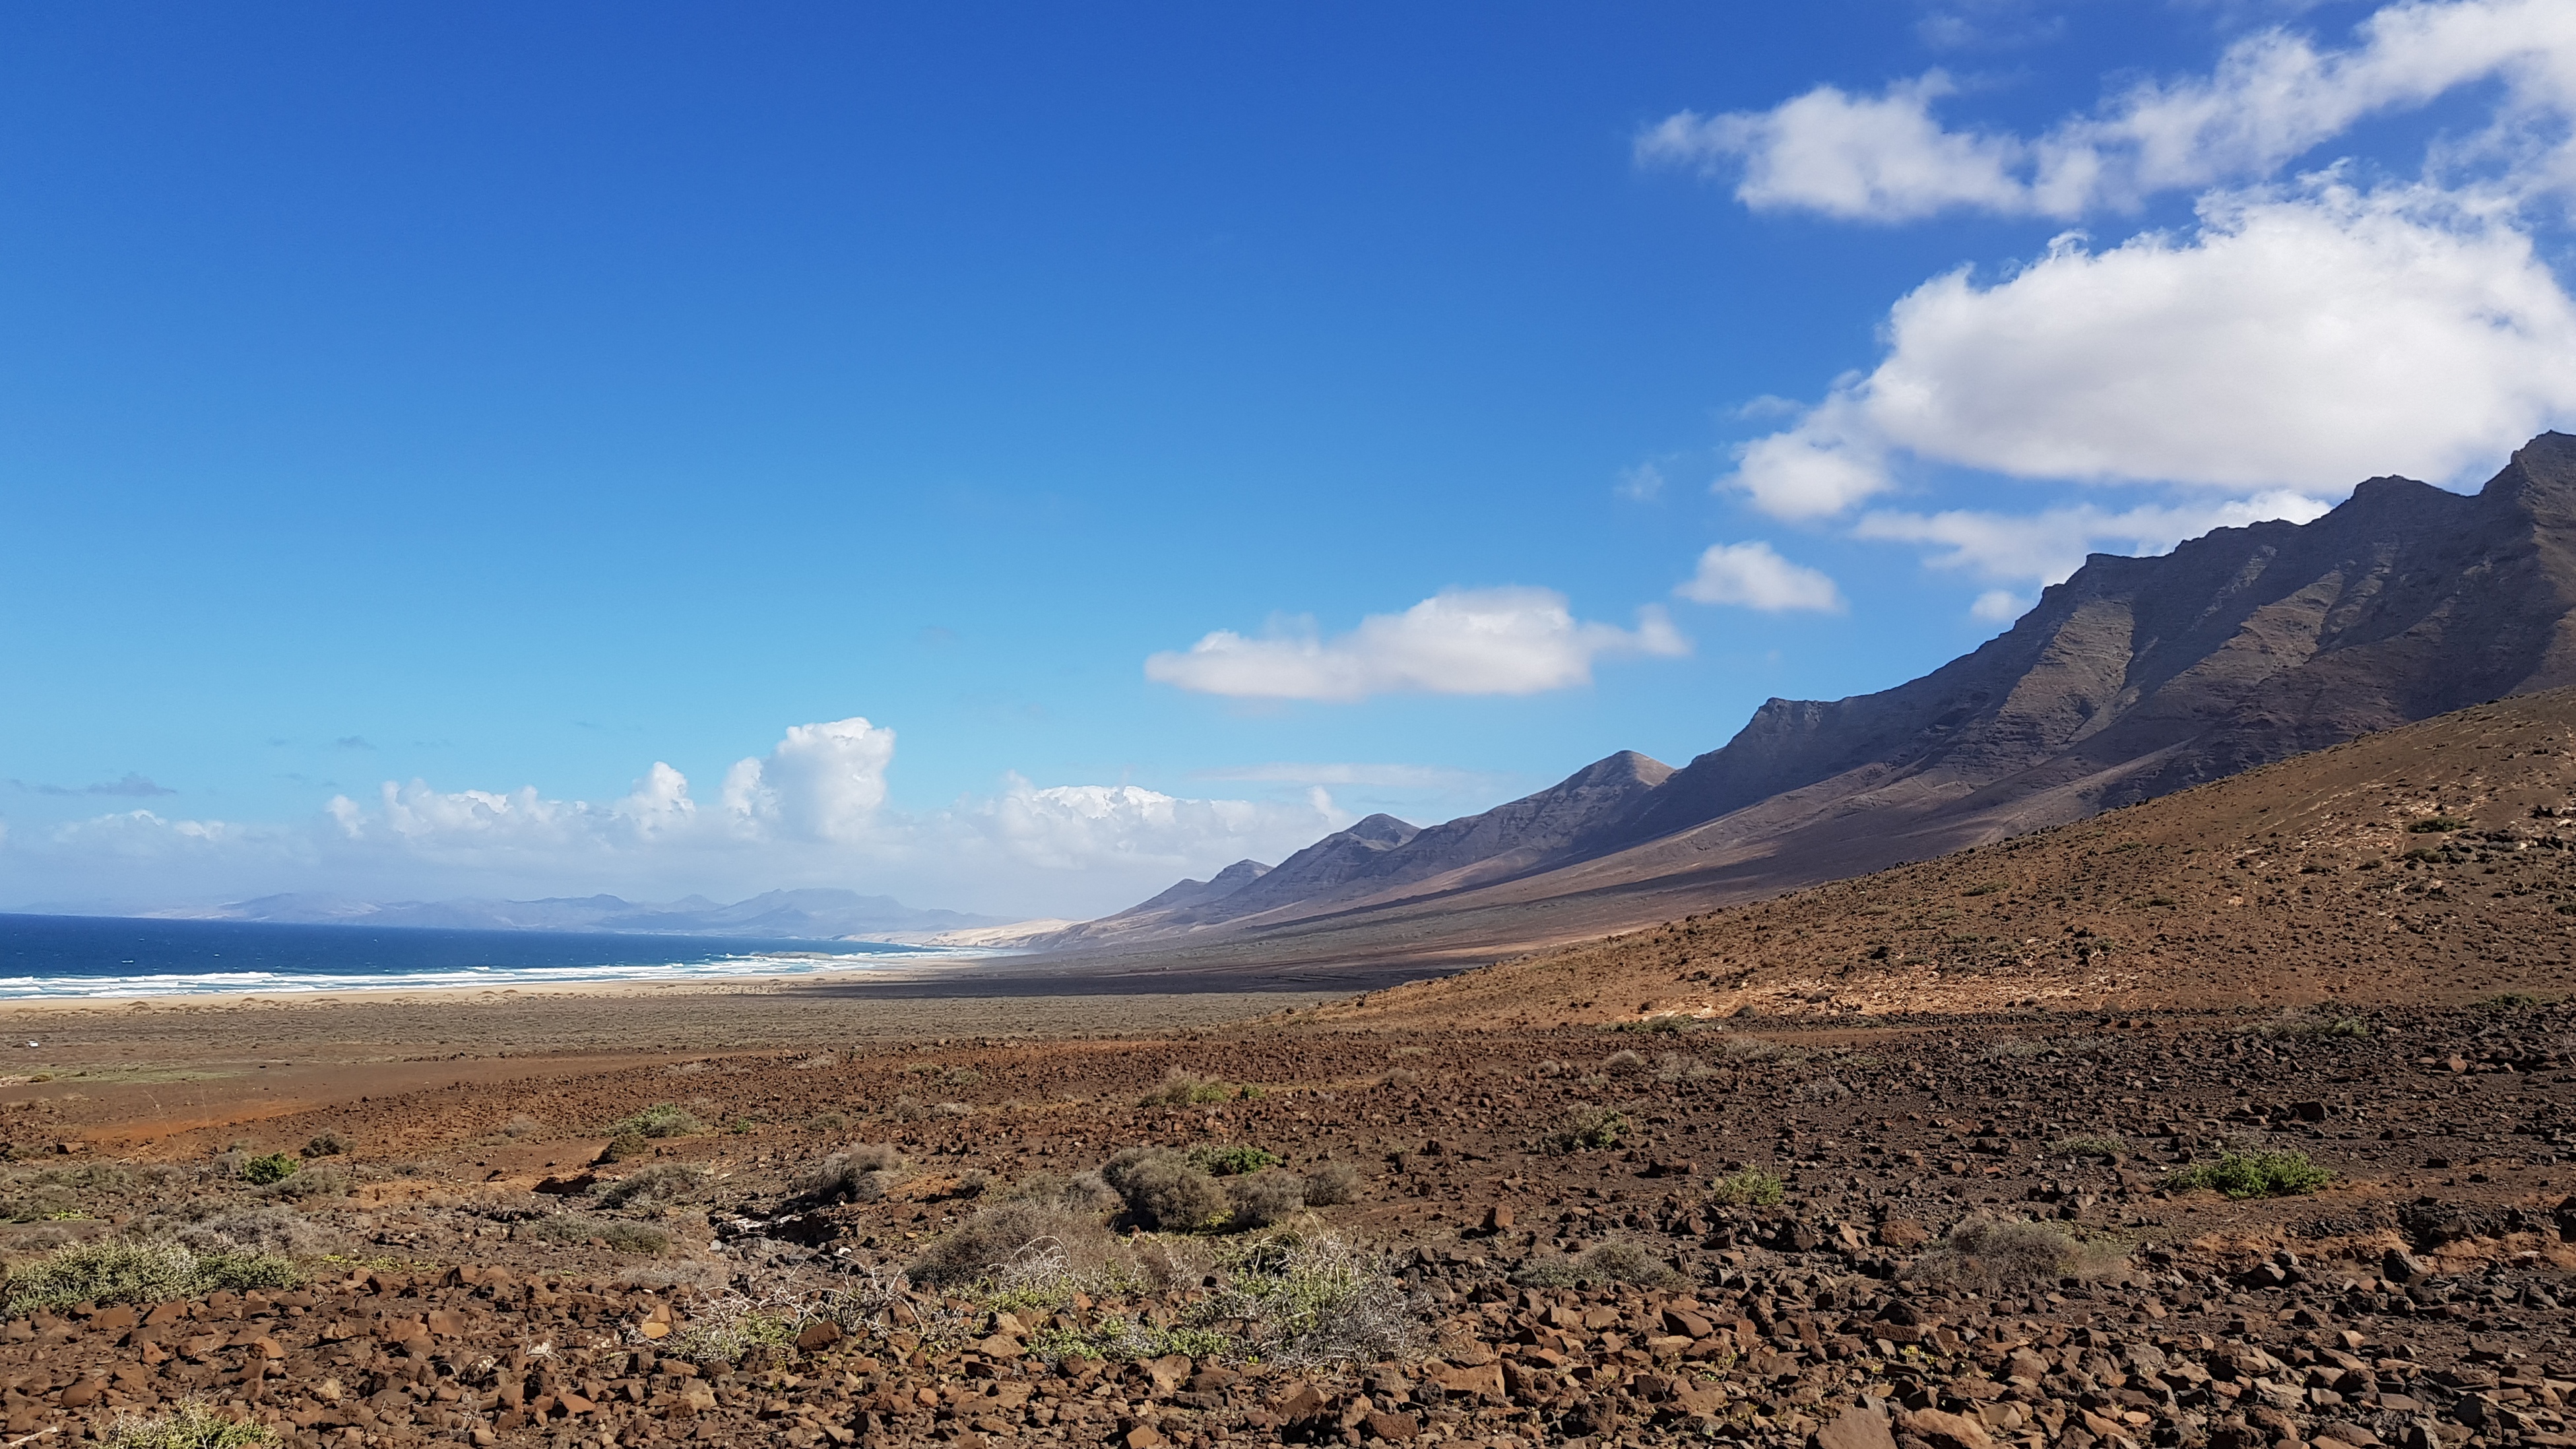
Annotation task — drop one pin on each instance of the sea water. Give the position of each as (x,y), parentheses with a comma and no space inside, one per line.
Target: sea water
(57,957)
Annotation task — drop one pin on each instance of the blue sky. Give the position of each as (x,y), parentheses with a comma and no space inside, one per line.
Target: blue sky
(1012,456)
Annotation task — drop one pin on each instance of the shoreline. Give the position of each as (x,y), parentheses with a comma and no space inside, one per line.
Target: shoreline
(127,1003)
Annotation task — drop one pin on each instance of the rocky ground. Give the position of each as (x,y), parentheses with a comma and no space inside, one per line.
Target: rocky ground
(1939,1234)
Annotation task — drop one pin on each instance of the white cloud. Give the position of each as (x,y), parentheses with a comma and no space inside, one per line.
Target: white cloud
(1088,827)
(2303,341)
(1998,606)
(1755,576)
(2272,97)
(813,811)
(1461,641)
(2046,547)
(1881,158)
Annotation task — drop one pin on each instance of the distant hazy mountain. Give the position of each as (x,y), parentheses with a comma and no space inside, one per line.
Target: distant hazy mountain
(2135,678)
(813,915)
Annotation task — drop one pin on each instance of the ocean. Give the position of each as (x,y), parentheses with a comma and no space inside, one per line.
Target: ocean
(72,957)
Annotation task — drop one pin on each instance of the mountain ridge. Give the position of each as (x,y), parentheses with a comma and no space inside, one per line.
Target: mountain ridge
(2131,679)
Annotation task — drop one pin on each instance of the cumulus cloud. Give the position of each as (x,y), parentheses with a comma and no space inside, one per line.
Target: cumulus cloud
(1462,641)
(2273,97)
(811,811)
(1086,827)
(1872,158)
(1755,576)
(1997,606)
(2307,341)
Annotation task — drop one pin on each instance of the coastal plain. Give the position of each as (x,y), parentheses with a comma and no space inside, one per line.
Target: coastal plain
(2239,1117)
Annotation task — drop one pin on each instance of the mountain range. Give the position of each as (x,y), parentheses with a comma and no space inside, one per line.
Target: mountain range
(802,915)
(2134,678)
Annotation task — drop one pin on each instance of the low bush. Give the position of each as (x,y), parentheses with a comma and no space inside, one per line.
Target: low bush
(726,1330)
(189,1426)
(272,1167)
(1750,1187)
(1282,1299)
(1332,1184)
(2435,824)
(665,1119)
(1165,1191)
(656,1186)
(327,1144)
(857,1174)
(521,1125)
(322,1179)
(1586,1129)
(1084,1192)
(1623,1061)
(1750,1049)
(1616,1261)
(2325,1022)
(2089,1144)
(828,1122)
(1263,1199)
(1232,1160)
(2249,1174)
(625,1147)
(137,1270)
(1993,1254)
(275,1231)
(1013,1234)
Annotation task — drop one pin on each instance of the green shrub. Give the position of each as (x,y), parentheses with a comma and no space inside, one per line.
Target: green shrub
(189,1426)
(1751,1187)
(274,1167)
(137,1270)
(1586,1129)
(666,1119)
(732,1327)
(1232,1160)
(2243,1175)
(2089,1144)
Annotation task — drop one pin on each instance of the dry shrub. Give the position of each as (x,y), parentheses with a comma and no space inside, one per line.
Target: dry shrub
(656,1186)
(857,1174)
(697,1273)
(1998,1254)
(327,1144)
(521,1125)
(1332,1185)
(1165,1191)
(1623,1060)
(1180,1088)
(1264,1198)
(1014,1235)
(270,1229)
(1083,1192)
(322,1179)
(1821,1089)
(1616,1261)
(1750,1049)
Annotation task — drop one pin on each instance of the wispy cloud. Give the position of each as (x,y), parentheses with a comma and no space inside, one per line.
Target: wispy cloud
(130,784)
(1393,777)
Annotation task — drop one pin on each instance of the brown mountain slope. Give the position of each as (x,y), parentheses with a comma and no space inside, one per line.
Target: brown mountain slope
(2293,883)
(2134,678)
